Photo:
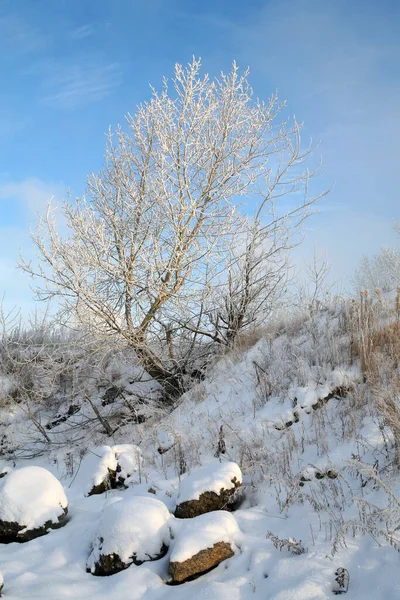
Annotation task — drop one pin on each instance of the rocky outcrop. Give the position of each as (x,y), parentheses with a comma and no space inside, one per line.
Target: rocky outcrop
(110,564)
(207,502)
(208,489)
(16,532)
(107,483)
(201,544)
(201,562)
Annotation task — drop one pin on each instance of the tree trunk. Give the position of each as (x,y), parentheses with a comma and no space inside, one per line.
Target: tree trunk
(171,382)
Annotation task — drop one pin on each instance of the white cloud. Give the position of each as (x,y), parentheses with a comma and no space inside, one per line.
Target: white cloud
(18,37)
(73,86)
(336,65)
(33,194)
(83,31)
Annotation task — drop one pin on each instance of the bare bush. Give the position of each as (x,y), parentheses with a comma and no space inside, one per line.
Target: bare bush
(291,545)
(314,293)
(373,520)
(68,385)
(38,361)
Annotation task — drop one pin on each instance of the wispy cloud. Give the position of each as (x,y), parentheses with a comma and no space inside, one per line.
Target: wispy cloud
(337,66)
(18,37)
(11,123)
(78,85)
(83,31)
(32,194)
(24,198)
(340,71)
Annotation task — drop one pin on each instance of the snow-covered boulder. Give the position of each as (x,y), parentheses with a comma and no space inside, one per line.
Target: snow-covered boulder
(210,488)
(32,501)
(131,530)
(103,475)
(202,543)
(129,461)
(114,467)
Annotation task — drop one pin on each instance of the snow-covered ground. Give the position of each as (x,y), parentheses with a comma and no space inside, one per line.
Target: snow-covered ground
(53,567)
(295,420)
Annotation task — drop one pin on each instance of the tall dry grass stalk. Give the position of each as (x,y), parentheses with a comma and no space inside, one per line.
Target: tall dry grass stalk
(378,347)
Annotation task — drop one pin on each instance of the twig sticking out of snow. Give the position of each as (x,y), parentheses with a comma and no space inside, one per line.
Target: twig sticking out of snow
(293,546)
(342,579)
(221,447)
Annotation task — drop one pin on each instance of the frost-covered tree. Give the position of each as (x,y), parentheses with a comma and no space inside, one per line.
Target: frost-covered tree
(181,238)
(381,271)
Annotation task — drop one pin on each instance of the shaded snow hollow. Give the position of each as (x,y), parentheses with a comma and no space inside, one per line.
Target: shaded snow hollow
(211,478)
(202,532)
(136,526)
(31,496)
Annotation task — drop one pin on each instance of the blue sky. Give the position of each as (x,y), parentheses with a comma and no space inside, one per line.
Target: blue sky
(71,68)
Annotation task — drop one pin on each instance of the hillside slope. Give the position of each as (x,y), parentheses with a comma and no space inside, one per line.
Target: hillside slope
(304,413)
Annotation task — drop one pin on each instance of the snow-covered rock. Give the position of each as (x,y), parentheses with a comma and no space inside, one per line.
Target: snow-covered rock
(202,543)
(104,472)
(114,467)
(32,501)
(131,530)
(207,489)
(129,461)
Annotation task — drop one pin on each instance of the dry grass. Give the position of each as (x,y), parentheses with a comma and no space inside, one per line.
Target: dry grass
(374,328)
(247,339)
(381,366)
(378,347)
